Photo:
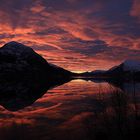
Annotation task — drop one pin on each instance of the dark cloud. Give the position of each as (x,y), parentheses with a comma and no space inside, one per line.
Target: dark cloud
(101,50)
(91,48)
(51,31)
(2,36)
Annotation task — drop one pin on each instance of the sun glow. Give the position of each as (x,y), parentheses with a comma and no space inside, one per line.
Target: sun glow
(78,71)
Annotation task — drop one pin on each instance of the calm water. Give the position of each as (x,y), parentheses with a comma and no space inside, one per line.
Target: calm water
(77,110)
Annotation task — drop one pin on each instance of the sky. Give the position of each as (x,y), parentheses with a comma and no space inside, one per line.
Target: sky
(78,35)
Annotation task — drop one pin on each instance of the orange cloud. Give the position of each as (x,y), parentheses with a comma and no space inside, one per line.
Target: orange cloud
(135,9)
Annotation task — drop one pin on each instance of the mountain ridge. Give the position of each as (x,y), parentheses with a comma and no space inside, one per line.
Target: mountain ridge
(19,60)
(129,69)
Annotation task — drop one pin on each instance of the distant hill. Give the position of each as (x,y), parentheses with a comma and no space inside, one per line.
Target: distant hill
(91,74)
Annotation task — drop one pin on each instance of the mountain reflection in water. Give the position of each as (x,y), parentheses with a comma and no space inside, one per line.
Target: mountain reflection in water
(77,110)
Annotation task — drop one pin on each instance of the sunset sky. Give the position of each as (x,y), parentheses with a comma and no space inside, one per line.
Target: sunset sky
(79,35)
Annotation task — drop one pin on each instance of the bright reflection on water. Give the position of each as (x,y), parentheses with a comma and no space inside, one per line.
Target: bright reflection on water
(78,110)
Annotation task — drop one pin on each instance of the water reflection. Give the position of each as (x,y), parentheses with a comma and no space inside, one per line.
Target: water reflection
(77,110)
(17,94)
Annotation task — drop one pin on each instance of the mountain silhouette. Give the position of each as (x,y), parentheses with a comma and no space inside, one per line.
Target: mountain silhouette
(18,60)
(128,70)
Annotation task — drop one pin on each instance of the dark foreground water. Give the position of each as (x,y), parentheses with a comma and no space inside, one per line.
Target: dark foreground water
(77,110)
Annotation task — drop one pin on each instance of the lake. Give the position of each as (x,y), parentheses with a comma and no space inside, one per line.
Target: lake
(81,109)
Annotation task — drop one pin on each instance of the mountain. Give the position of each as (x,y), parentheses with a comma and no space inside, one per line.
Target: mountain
(130,66)
(129,69)
(20,61)
(127,66)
